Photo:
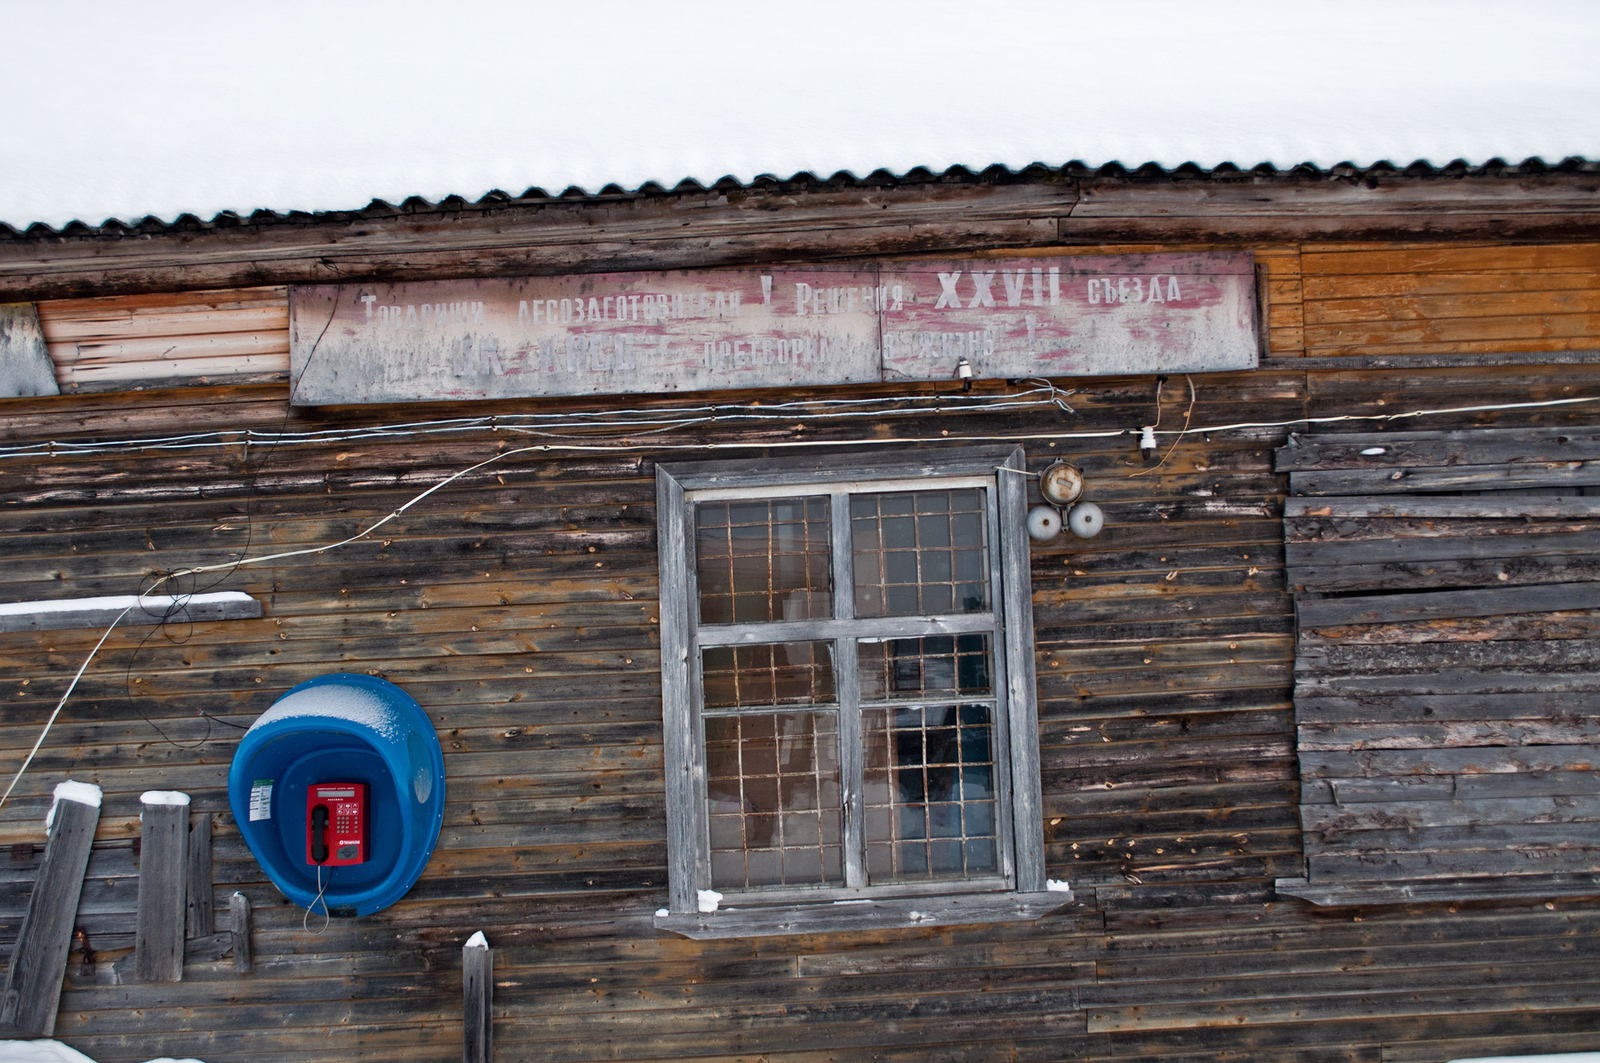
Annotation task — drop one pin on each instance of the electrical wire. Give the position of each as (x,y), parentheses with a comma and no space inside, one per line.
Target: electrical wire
(1186,415)
(613,446)
(1043,394)
(60,705)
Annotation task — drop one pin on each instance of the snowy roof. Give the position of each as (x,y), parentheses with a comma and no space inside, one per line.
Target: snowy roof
(177,107)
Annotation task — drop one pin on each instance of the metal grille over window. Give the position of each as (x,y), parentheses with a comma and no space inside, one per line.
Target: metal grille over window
(787,673)
(772,782)
(929,772)
(839,650)
(933,665)
(929,792)
(919,553)
(762,561)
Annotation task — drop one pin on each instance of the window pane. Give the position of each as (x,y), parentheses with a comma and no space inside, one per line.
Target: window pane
(763,560)
(937,665)
(772,785)
(928,792)
(782,673)
(919,552)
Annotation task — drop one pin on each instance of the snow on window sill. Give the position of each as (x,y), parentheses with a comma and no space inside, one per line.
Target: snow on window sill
(103,611)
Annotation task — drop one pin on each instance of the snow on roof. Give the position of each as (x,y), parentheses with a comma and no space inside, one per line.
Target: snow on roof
(183,107)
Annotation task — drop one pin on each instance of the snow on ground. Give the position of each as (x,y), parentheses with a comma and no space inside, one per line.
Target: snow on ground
(172,106)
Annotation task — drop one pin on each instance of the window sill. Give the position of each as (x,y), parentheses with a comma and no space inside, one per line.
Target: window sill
(885,914)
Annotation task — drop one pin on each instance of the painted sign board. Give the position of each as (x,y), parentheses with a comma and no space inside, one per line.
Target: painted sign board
(794,326)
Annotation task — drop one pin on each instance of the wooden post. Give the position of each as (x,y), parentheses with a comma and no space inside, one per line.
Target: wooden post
(163,868)
(477,985)
(199,920)
(239,916)
(39,960)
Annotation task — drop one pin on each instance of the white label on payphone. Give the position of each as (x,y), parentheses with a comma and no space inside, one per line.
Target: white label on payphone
(261,800)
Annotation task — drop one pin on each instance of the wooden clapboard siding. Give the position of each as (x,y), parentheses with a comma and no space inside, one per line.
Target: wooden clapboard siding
(1317,300)
(518,607)
(117,342)
(1422,300)
(1401,695)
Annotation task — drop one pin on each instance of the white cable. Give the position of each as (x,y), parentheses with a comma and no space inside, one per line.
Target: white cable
(327,916)
(791,444)
(62,703)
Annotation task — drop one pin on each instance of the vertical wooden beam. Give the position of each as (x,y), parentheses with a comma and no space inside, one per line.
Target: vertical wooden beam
(39,960)
(1022,713)
(681,751)
(244,960)
(163,869)
(477,986)
(199,920)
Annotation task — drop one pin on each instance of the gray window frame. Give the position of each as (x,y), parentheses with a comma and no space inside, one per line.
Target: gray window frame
(1020,891)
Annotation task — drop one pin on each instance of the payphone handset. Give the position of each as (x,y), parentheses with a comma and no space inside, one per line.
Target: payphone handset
(336,823)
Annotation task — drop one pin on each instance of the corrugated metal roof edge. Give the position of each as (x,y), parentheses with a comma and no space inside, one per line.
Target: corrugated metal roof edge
(803,181)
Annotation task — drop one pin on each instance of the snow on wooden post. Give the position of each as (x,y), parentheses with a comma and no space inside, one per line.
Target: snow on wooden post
(477,985)
(39,960)
(163,869)
(239,925)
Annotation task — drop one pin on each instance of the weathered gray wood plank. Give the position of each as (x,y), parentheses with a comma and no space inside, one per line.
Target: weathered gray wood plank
(1345,791)
(1554,656)
(1451,734)
(477,987)
(1445,681)
(1498,477)
(952,910)
(1482,541)
(1447,604)
(1475,446)
(1466,787)
(1463,838)
(1454,862)
(1468,507)
(38,962)
(163,871)
(198,918)
(1449,889)
(1481,759)
(1419,708)
(1392,815)
(1441,574)
(1023,716)
(239,930)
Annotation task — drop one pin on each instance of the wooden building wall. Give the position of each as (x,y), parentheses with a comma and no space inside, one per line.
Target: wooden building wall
(518,607)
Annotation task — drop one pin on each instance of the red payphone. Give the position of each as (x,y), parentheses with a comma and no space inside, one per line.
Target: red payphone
(336,823)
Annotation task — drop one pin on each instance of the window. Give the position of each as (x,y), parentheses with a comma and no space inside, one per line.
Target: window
(848,691)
